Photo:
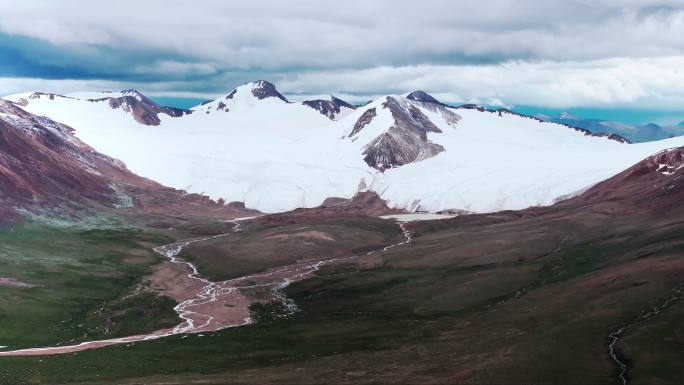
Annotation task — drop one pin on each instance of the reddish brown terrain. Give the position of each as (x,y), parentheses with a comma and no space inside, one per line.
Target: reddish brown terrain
(363,204)
(653,184)
(45,169)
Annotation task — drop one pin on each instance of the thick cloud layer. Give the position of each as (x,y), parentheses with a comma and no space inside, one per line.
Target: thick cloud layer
(549,52)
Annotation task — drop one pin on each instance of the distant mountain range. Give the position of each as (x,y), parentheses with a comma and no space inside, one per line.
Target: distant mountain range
(633,133)
(253,145)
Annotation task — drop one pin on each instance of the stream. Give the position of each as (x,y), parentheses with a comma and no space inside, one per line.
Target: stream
(213,306)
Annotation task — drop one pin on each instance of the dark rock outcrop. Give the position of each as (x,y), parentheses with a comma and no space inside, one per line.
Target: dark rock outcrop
(423,97)
(261,89)
(143,109)
(363,121)
(330,108)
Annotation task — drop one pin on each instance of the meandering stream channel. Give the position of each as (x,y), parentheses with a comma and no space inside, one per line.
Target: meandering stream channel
(208,306)
(615,336)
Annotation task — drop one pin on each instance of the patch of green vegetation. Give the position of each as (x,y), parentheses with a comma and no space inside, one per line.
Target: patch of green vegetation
(320,329)
(342,312)
(657,352)
(261,247)
(578,259)
(86,285)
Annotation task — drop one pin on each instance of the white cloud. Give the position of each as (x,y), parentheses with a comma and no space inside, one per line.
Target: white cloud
(9,86)
(171,67)
(552,53)
(648,82)
(656,83)
(309,33)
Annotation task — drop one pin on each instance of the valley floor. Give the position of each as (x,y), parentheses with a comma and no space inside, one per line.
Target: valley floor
(510,298)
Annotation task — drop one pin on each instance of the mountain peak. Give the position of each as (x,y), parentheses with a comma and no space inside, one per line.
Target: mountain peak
(338,101)
(132,92)
(143,109)
(262,89)
(332,107)
(404,141)
(422,96)
(139,96)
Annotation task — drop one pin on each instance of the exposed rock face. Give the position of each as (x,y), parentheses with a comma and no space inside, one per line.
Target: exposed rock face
(42,164)
(424,97)
(143,109)
(262,89)
(44,168)
(363,121)
(406,140)
(426,101)
(330,108)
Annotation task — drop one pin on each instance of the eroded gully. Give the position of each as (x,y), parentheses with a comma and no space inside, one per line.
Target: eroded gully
(615,336)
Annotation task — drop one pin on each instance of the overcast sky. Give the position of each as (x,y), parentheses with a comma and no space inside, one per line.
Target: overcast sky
(556,53)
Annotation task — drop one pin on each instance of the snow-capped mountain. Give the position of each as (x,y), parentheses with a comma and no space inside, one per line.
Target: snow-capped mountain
(45,169)
(144,110)
(394,131)
(255,146)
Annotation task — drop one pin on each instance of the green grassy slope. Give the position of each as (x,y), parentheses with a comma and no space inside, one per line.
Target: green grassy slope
(87,285)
